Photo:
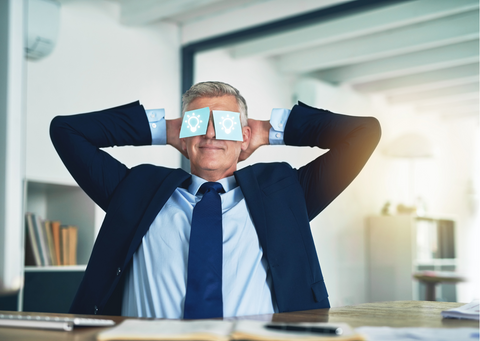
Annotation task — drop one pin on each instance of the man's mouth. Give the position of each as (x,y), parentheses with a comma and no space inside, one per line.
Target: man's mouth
(210,147)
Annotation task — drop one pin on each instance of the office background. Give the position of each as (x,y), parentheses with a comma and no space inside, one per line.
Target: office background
(113,52)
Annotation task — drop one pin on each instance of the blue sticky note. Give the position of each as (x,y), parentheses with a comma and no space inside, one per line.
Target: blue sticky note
(195,122)
(227,125)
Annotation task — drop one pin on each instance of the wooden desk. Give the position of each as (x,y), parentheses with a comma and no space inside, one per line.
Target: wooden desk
(392,314)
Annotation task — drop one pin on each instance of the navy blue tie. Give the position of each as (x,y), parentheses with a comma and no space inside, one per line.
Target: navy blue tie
(204,279)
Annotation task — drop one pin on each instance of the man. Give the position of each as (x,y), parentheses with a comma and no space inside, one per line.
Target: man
(140,266)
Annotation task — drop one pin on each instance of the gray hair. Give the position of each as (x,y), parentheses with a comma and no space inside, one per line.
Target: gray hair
(215,89)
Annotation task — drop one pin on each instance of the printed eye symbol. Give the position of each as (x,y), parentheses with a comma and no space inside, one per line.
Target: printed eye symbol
(195,120)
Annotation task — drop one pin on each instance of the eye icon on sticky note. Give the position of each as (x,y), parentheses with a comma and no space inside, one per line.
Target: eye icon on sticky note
(226,123)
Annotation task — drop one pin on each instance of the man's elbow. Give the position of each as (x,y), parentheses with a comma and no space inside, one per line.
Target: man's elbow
(374,130)
(58,127)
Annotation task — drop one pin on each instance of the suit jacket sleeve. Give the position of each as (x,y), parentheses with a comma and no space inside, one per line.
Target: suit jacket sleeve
(350,140)
(78,139)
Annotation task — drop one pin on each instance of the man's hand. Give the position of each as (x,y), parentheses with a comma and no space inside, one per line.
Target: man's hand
(173,134)
(260,130)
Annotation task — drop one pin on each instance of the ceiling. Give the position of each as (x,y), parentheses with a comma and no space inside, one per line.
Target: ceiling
(422,53)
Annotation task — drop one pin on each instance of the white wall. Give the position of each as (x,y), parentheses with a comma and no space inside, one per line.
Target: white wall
(444,182)
(98,63)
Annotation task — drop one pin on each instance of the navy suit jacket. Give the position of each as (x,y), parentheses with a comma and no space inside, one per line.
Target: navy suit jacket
(281,200)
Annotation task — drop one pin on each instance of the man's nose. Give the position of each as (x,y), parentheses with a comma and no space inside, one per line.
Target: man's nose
(210,130)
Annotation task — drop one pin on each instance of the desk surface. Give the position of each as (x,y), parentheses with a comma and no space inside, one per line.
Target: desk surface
(393,314)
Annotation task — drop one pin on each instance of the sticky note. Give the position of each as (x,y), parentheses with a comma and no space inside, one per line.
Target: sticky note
(227,125)
(195,122)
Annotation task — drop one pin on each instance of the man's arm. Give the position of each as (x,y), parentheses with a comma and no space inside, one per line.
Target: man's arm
(78,139)
(350,140)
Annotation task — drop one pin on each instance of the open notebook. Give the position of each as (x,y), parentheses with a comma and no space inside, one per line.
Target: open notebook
(219,331)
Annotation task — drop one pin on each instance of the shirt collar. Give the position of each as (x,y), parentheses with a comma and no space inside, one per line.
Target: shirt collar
(228,184)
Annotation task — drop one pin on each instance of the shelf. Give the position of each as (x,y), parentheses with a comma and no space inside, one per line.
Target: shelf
(52,288)
(55,268)
(50,291)
(69,205)
(53,181)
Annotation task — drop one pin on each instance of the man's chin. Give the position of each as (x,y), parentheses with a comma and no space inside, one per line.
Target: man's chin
(210,167)
(212,171)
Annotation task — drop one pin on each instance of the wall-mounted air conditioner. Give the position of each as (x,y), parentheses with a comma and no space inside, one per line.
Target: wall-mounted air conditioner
(43,20)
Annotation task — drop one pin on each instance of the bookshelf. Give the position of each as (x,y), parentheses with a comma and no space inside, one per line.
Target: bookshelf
(398,246)
(68,204)
(51,288)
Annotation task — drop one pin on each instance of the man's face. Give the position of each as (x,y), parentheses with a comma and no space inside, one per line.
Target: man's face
(210,158)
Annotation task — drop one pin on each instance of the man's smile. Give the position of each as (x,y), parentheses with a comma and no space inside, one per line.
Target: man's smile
(210,146)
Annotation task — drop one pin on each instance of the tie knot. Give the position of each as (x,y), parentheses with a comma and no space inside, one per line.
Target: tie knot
(215,186)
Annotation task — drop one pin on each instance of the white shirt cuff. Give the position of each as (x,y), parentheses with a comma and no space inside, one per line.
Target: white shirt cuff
(278,120)
(158,126)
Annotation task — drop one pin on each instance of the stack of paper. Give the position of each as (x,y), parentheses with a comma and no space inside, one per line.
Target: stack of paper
(468,311)
(419,334)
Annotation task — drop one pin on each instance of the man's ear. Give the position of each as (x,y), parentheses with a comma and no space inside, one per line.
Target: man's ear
(247,135)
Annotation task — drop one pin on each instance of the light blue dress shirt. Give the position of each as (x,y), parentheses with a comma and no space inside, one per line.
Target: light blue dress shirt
(155,284)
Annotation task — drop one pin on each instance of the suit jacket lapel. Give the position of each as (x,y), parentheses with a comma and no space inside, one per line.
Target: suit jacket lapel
(247,181)
(164,192)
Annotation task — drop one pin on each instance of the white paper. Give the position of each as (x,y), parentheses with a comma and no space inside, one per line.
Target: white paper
(418,334)
(469,311)
(167,329)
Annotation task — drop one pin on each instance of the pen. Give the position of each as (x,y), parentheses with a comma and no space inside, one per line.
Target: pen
(306,329)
